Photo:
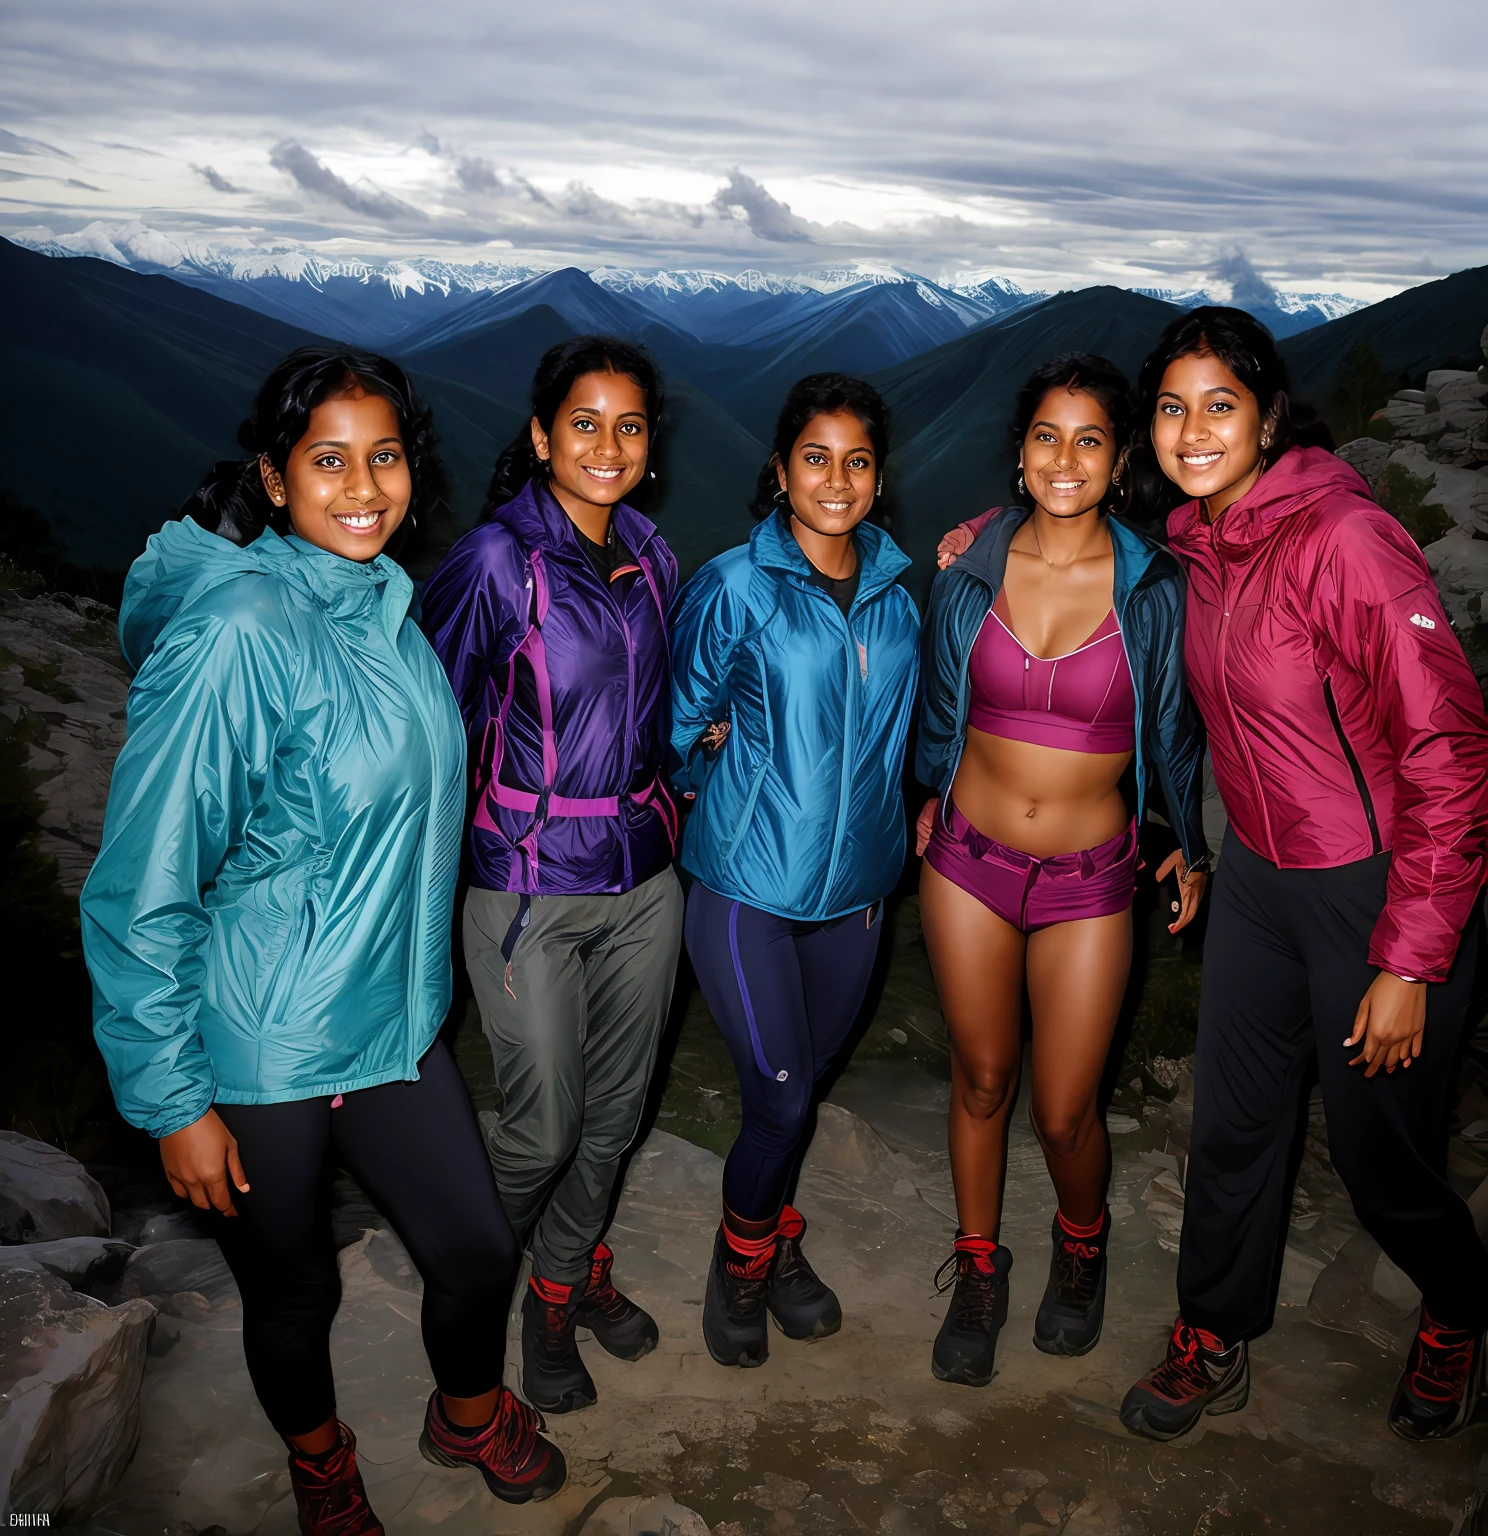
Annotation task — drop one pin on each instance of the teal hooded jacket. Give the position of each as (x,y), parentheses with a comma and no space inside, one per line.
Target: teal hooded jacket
(269,915)
(801,813)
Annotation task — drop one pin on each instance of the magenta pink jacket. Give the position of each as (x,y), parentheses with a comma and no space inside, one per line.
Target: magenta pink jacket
(1343,718)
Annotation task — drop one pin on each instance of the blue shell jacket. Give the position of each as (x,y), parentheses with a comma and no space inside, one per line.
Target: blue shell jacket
(801,813)
(269,915)
(1149,600)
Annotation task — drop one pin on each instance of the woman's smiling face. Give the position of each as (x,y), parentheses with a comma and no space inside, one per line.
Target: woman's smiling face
(831,476)
(1069,453)
(597,446)
(347,483)
(1208,431)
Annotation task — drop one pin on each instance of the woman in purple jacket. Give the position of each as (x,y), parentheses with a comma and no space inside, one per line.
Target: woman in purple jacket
(550,619)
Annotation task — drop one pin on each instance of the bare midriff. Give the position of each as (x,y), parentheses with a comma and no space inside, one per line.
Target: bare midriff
(1040,800)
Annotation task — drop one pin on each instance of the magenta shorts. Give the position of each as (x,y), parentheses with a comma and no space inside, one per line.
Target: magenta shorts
(1032,893)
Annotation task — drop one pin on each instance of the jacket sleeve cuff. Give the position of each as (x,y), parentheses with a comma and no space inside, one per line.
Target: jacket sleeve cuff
(1407,963)
(177,1118)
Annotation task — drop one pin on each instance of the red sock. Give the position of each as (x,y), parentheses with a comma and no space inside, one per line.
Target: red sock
(1072,1230)
(980,1248)
(751,1244)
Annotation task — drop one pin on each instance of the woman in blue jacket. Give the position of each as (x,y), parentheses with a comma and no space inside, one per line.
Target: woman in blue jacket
(793,668)
(1053,657)
(267,924)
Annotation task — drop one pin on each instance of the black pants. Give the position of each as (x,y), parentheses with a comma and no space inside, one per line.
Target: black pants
(1285,967)
(785,996)
(416,1149)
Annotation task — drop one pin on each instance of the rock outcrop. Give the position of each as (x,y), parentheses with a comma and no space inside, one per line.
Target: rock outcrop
(61,673)
(70,1372)
(45,1194)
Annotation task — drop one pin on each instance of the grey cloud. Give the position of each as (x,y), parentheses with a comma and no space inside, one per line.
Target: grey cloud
(215,179)
(134,149)
(427,141)
(16,144)
(314,176)
(1248,288)
(477,175)
(767,216)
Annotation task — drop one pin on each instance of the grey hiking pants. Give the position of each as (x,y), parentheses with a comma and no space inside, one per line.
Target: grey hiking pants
(573,1028)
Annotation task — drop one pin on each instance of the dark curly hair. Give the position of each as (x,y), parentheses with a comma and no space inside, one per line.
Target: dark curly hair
(560,369)
(231,500)
(821,394)
(1090,375)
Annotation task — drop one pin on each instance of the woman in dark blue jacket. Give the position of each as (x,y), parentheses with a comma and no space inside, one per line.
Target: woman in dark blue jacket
(793,674)
(1053,665)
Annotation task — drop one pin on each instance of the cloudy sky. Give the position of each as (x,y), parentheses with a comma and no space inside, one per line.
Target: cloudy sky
(1333,145)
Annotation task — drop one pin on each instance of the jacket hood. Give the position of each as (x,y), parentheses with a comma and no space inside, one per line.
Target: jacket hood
(538,521)
(183,561)
(1300,478)
(773,547)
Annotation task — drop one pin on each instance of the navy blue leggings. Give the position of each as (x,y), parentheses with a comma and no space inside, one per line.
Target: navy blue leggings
(785,996)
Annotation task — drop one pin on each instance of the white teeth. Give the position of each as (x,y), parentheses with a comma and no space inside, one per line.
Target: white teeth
(602,474)
(358,519)
(1198,460)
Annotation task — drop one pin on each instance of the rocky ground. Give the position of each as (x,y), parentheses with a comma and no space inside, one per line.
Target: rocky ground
(847,1434)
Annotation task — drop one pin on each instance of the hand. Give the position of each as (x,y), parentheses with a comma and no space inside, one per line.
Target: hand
(714,736)
(925,824)
(199,1160)
(1190,888)
(1391,1022)
(954,545)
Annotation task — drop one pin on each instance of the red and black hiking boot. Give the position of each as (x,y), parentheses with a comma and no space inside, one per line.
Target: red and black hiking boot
(1445,1377)
(802,1304)
(554,1376)
(518,1464)
(966,1346)
(1199,1376)
(328,1491)
(735,1324)
(622,1328)
(1074,1305)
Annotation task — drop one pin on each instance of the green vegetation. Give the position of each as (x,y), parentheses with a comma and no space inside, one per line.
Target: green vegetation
(1361,385)
(1403,495)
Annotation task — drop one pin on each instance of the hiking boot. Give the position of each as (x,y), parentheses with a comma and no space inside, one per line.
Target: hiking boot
(554,1376)
(734,1319)
(1074,1305)
(801,1304)
(966,1346)
(1443,1381)
(621,1327)
(518,1464)
(328,1491)
(1199,1376)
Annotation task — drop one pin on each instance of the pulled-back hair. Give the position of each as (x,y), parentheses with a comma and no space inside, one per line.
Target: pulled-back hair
(1087,374)
(821,394)
(561,368)
(231,500)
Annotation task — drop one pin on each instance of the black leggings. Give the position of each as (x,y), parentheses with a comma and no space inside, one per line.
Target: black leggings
(1286,962)
(416,1149)
(785,996)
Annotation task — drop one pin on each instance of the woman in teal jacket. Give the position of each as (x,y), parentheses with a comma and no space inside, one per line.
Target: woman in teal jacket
(793,673)
(267,924)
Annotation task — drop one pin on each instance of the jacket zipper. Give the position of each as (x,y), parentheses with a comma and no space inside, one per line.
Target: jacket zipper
(1224,688)
(1361,784)
(849,740)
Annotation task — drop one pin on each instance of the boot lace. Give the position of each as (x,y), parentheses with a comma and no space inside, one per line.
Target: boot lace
(1444,1360)
(1182,1375)
(976,1292)
(1079,1267)
(600,1296)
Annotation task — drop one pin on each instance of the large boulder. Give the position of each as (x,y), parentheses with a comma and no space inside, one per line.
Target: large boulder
(659,1515)
(1369,456)
(70,1371)
(1460,564)
(45,1194)
(185,1276)
(91,1264)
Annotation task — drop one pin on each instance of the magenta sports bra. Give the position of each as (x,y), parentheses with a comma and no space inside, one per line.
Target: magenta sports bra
(1081,702)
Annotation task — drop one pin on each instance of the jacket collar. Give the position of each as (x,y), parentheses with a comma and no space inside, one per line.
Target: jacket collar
(538,520)
(1298,479)
(341,586)
(986,560)
(773,547)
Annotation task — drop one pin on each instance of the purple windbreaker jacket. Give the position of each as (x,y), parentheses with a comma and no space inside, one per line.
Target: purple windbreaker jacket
(565,686)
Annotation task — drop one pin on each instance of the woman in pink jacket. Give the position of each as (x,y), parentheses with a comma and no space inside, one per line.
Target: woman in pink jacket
(1351,751)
